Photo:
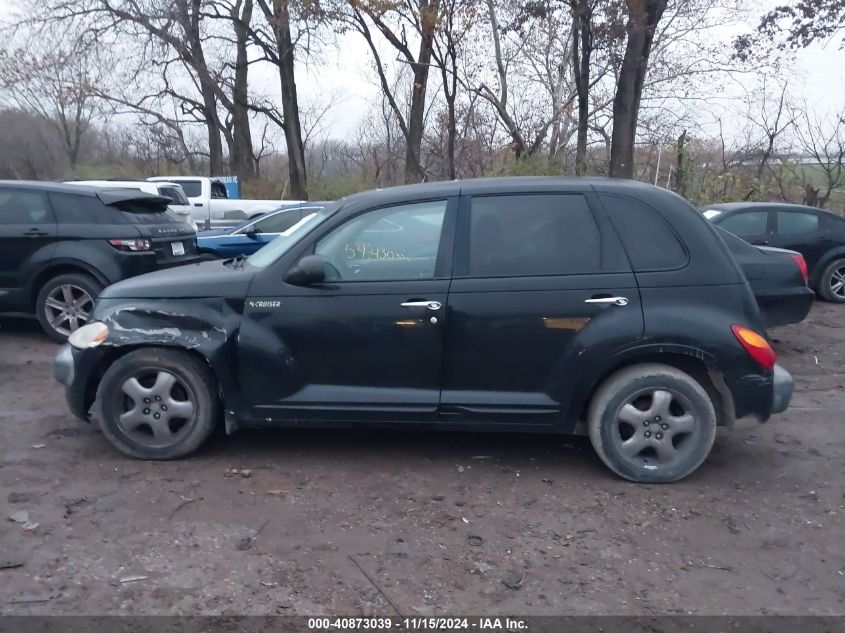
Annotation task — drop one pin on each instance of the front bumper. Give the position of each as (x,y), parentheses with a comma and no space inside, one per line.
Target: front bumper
(73,368)
(782,388)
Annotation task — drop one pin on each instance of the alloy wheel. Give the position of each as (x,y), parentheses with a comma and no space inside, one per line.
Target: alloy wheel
(68,308)
(655,428)
(837,282)
(158,408)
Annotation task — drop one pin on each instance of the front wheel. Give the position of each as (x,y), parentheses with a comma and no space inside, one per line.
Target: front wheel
(65,302)
(832,282)
(158,403)
(652,423)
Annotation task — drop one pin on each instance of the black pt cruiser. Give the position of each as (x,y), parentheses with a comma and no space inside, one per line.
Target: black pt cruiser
(610,308)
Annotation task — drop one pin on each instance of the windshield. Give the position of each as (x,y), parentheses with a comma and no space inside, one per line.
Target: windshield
(282,244)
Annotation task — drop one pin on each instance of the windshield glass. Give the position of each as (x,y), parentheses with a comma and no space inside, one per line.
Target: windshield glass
(282,244)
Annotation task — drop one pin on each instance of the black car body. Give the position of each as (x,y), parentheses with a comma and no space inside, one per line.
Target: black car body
(778,279)
(518,304)
(62,241)
(818,235)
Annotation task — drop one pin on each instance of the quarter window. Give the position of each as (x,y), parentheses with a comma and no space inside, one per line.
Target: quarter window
(393,243)
(790,222)
(23,207)
(532,234)
(747,223)
(649,241)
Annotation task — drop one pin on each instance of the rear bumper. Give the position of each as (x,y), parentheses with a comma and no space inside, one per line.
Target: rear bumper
(782,388)
(783,308)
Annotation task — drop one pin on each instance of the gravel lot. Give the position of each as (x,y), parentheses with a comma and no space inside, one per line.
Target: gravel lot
(350,522)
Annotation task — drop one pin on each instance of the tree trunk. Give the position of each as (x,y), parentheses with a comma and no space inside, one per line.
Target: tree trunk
(428,23)
(681,173)
(643,16)
(582,49)
(290,101)
(241,159)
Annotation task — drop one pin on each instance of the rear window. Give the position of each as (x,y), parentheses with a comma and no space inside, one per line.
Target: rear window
(174,194)
(737,245)
(650,242)
(146,213)
(77,209)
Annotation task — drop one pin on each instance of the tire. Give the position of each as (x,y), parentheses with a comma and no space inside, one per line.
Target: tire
(64,304)
(632,425)
(832,282)
(173,385)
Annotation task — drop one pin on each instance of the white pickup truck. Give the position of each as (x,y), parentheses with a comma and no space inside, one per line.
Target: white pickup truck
(212,207)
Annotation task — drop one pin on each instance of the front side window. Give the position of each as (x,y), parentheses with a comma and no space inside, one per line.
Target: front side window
(532,234)
(23,207)
(393,243)
(791,222)
(278,222)
(746,223)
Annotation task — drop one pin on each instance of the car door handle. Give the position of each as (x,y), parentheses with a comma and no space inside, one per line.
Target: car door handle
(616,301)
(35,233)
(431,305)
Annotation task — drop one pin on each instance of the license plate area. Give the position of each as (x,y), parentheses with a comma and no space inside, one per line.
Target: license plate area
(178,248)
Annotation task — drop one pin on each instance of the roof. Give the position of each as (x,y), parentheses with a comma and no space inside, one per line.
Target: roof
(505,184)
(106,195)
(749,206)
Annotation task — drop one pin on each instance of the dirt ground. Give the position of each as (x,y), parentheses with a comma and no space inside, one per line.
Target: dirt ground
(350,522)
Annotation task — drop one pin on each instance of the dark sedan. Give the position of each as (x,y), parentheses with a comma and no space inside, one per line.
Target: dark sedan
(818,235)
(248,237)
(778,278)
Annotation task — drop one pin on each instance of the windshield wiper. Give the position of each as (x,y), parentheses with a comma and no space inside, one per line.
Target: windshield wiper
(238,261)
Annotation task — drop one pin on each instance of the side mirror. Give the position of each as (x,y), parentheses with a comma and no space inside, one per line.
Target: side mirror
(250,232)
(310,270)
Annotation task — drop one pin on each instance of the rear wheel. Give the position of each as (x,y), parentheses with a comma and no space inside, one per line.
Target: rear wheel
(652,423)
(158,403)
(832,282)
(65,302)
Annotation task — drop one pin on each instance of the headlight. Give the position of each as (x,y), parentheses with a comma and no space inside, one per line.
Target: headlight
(90,335)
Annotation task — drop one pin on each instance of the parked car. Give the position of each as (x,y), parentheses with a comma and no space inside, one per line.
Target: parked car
(515,304)
(178,201)
(60,245)
(818,235)
(248,237)
(211,205)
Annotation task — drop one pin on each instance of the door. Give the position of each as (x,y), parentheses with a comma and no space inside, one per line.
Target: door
(26,226)
(366,344)
(801,231)
(755,227)
(541,285)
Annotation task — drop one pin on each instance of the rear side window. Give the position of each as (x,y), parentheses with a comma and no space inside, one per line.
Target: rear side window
(278,223)
(218,190)
(649,240)
(23,207)
(192,188)
(75,209)
(791,222)
(746,223)
(533,234)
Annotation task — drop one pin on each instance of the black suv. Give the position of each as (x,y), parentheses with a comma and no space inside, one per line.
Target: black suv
(604,307)
(60,245)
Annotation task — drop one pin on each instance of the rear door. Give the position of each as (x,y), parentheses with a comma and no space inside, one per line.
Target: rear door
(802,231)
(538,279)
(27,225)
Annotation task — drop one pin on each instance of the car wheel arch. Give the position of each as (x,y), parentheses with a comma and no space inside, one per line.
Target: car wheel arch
(113,354)
(698,363)
(822,264)
(62,268)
